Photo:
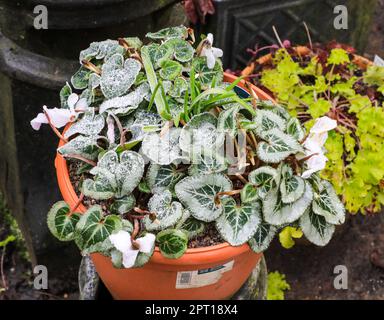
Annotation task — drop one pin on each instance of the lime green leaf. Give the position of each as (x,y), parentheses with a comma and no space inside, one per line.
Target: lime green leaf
(276,286)
(338,56)
(287,234)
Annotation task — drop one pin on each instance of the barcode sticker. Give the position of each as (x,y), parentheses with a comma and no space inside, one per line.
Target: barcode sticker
(202,277)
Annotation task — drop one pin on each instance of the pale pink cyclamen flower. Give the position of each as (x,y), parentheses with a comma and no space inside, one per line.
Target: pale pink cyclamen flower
(59,117)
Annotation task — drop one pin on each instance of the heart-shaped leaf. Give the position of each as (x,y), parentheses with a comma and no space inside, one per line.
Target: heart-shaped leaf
(295,129)
(180,85)
(61,222)
(114,173)
(183,50)
(198,194)
(238,223)
(162,178)
(266,120)
(169,33)
(94,228)
(265,179)
(81,78)
(227,120)
(291,186)
(262,237)
(101,50)
(117,75)
(192,227)
(162,150)
(207,76)
(170,69)
(327,204)
(207,162)
(249,193)
(89,125)
(123,205)
(172,243)
(200,133)
(316,228)
(278,213)
(124,104)
(86,147)
(277,146)
(167,212)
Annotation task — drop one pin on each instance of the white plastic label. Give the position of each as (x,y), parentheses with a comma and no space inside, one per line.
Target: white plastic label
(203,277)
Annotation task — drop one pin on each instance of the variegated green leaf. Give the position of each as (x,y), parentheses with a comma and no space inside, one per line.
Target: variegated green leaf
(227,120)
(262,238)
(167,212)
(266,120)
(265,179)
(295,129)
(164,149)
(192,227)
(65,92)
(207,162)
(178,88)
(61,222)
(277,146)
(161,178)
(199,193)
(100,188)
(123,205)
(277,213)
(89,125)
(249,193)
(133,42)
(80,79)
(327,204)
(93,227)
(291,186)
(238,223)
(170,69)
(316,228)
(117,75)
(200,133)
(169,33)
(183,50)
(86,147)
(207,76)
(172,243)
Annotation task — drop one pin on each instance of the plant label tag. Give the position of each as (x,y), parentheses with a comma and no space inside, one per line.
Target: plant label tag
(202,277)
(378,61)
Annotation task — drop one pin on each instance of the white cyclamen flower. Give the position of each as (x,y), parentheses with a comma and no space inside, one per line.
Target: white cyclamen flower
(60,117)
(314,143)
(210,52)
(122,242)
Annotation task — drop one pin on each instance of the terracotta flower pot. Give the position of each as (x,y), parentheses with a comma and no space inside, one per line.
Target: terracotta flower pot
(220,270)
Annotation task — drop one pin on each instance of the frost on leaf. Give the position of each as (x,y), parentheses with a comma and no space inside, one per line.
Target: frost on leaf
(327,204)
(266,120)
(183,50)
(199,193)
(115,175)
(167,212)
(238,223)
(162,150)
(89,125)
(125,104)
(161,178)
(170,69)
(123,205)
(316,228)
(80,79)
(61,222)
(117,75)
(101,50)
(262,237)
(180,85)
(65,92)
(94,228)
(86,147)
(277,146)
(265,179)
(172,243)
(277,213)
(201,133)
(169,33)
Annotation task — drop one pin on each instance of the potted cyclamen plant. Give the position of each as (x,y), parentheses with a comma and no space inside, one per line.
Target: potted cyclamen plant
(168,166)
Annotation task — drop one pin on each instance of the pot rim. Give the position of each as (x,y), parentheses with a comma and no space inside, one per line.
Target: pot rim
(191,255)
(359,60)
